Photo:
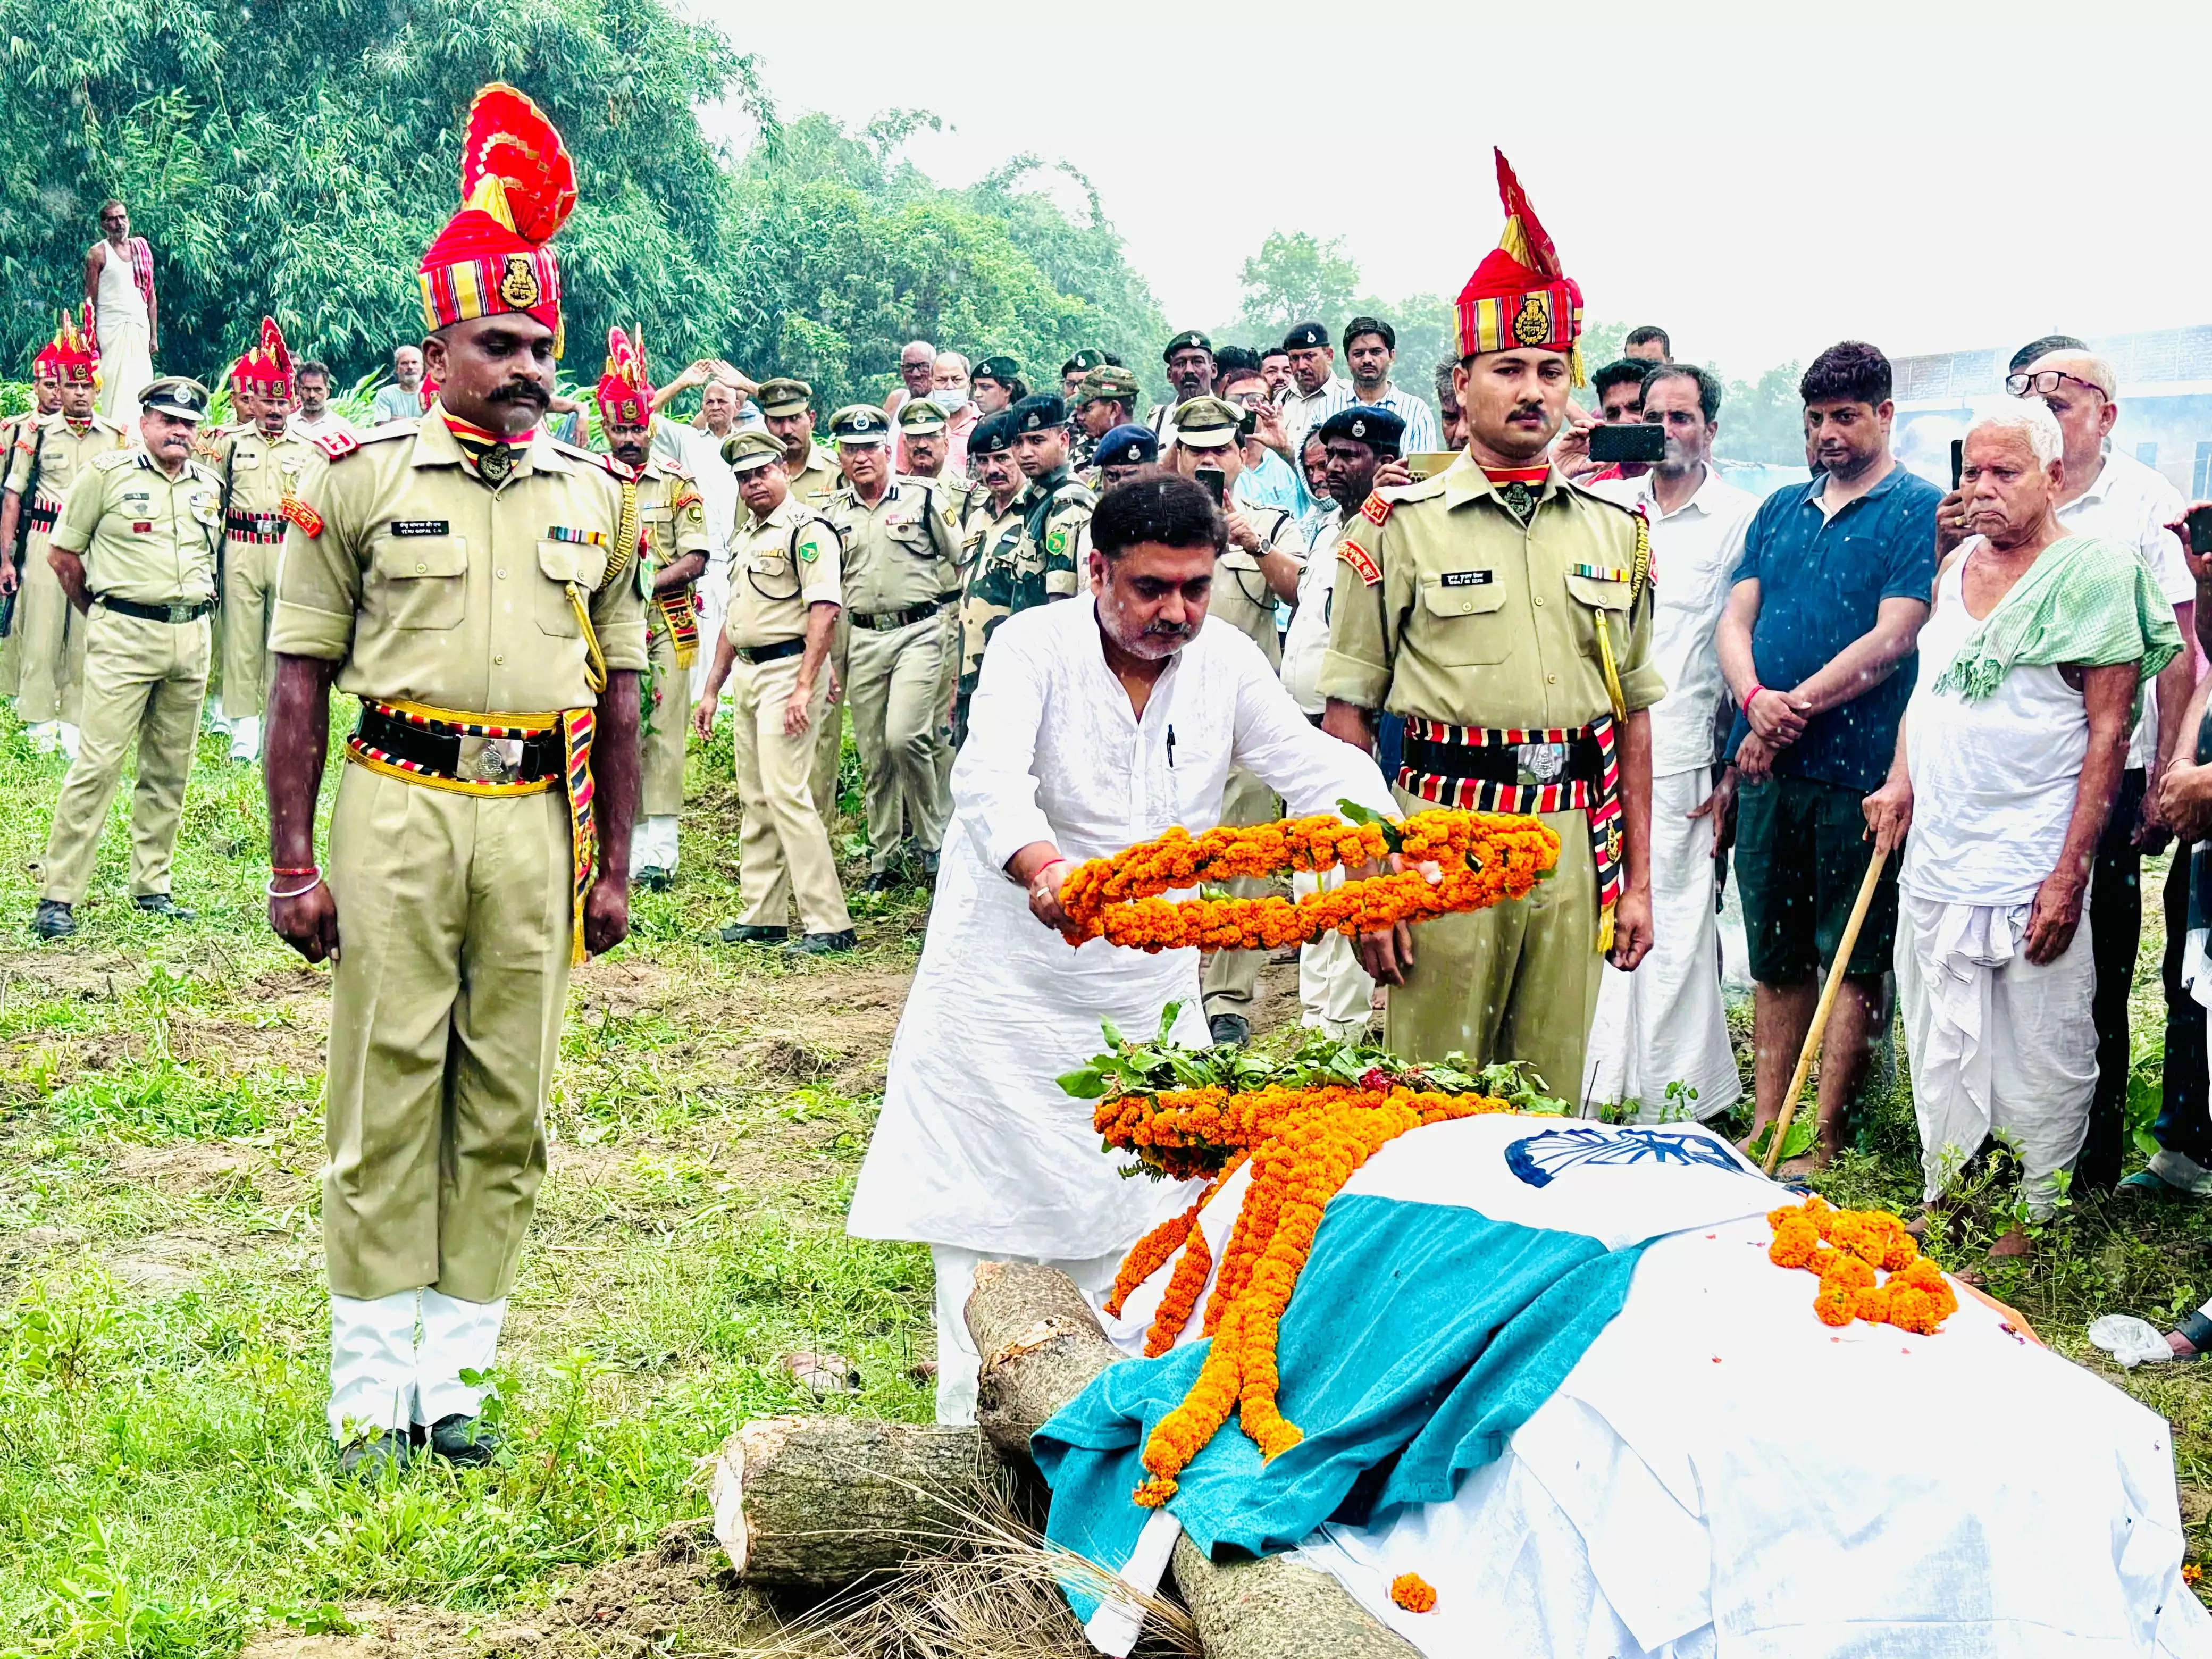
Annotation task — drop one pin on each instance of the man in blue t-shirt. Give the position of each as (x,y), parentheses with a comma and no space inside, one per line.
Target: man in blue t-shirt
(1817,644)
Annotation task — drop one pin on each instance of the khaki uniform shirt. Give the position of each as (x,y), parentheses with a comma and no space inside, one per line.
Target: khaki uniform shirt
(671,517)
(60,454)
(954,492)
(901,552)
(1450,609)
(780,567)
(818,480)
(427,586)
(259,472)
(1242,598)
(143,535)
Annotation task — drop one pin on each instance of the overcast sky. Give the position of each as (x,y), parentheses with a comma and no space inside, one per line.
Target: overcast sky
(1759,191)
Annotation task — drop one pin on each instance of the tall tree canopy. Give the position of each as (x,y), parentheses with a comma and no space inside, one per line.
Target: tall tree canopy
(296,157)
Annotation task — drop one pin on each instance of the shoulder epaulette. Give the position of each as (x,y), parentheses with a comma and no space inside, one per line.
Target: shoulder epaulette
(337,446)
(116,458)
(1391,496)
(1075,490)
(384,431)
(1587,494)
(205,473)
(620,471)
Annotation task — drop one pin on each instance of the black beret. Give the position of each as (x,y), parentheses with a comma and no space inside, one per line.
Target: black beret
(1041,411)
(1305,337)
(1128,446)
(1082,362)
(1003,370)
(1376,427)
(992,433)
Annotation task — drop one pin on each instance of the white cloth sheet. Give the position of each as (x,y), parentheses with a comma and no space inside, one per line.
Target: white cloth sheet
(1661,1506)
(1996,1042)
(1666,1022)
(977,1146)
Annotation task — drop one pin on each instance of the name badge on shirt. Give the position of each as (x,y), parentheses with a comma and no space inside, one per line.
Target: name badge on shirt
(421,528)
(1467,578)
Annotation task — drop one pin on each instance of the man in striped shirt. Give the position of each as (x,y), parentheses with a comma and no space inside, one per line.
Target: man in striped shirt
(1370,346)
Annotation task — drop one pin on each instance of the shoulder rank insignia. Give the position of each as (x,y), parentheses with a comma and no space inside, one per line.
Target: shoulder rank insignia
(1360,560)
(115,458)
(1375,510)
(336,446)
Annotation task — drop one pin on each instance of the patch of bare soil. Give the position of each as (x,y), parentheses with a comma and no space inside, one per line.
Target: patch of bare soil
(677,1598)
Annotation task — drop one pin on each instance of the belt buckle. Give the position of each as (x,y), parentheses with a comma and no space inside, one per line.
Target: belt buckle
(180,613)
(1540,763)
(490,760)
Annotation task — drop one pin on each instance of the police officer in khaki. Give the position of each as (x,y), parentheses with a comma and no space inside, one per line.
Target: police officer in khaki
(46,399)
(923,449)
(788,414)
(1262,564)
(1506,615)
(260,463)
(49,453)
(993,538)
(785,593)
(673,516)
(134,550)
(901,581)
(476,585)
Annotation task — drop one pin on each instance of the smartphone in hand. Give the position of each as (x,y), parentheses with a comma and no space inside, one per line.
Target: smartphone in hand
(1213,480)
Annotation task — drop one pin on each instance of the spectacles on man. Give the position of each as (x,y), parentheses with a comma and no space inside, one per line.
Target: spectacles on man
(2045,381)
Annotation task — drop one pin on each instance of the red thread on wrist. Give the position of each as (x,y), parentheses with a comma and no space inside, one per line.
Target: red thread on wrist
(1756,688)
(279,870)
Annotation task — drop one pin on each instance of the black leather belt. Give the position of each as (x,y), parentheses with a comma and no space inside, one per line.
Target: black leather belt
(440,751)
(260,527)
(160,613)
(777,652)
(1523,764)
(43,518)
(886,622)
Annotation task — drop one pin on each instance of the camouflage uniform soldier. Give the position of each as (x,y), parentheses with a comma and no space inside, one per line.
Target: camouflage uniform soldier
(476,585)
(672,516)
(1012,571)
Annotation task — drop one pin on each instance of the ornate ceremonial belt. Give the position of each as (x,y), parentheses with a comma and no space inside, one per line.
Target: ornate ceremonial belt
(183,611)
(680,616)
(887,622)
(262,529)
(43,517)
(757,654)
(491,755)
(1522,769)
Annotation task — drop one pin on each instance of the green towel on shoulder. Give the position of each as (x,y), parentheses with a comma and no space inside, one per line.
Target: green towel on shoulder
(2086,601)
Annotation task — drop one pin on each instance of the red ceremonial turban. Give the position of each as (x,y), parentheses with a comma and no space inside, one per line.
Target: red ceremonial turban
(267,366)
(624,392)
(73,357)
(1519,296)
(518,187)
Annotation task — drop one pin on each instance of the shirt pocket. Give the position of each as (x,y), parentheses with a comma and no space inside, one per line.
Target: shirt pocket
(562,563)
(1464,626)
(423,579)
(1594,597)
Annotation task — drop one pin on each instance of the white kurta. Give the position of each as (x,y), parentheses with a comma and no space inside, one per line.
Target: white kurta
(977,1146)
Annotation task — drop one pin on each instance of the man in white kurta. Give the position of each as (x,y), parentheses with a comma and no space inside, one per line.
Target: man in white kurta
(2008,762)
(1664,1025)
(978,1152)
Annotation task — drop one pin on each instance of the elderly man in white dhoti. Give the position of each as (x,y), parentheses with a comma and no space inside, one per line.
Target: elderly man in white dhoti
(2008,761)
(118,286)
(1095,725)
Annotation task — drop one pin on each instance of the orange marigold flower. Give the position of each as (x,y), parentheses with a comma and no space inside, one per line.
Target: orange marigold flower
(1844,1249)
(1413,1592)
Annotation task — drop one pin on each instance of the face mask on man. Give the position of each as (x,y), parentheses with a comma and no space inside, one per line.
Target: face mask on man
(951,399)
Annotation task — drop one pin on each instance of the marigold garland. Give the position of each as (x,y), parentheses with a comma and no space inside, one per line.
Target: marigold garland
(1303,1145)
(1413,1592)
(1484,857)
(1843,1248)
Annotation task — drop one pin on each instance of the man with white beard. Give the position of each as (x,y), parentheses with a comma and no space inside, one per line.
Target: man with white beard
(1095,725)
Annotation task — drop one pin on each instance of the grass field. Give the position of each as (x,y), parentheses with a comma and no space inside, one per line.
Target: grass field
(165,1479)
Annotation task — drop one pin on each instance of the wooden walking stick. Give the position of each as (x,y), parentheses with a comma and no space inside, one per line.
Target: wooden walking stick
(1825,1006)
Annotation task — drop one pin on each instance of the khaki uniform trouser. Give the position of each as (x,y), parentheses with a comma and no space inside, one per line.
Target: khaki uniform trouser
(446,1008)
(1516,981)
(249,575)
(49,638)
(660,782)
(899,727)
(144,680)
(783,850)
(829,729)
(1229,978)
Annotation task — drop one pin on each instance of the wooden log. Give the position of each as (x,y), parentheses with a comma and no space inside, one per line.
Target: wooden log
(1278,1608)
(815,1503)
(1040,1345)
